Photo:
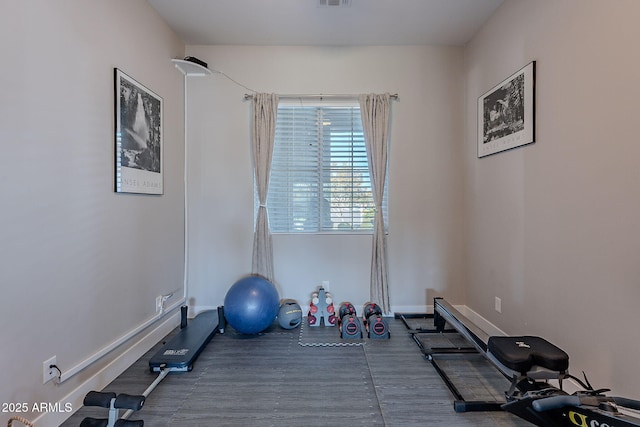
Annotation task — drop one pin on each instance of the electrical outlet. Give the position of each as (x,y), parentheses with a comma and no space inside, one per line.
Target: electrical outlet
(325,285)
(498,305)
(49,373)
(159,304)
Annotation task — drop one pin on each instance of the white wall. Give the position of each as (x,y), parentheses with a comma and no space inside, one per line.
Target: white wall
(549,228)
(553,227)
(426,250)
(80,266)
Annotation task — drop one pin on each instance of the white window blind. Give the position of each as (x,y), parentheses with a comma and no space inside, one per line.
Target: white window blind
(319,175)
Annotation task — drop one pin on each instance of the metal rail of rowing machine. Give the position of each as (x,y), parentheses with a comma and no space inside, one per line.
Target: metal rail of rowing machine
(445,313)
(471,332)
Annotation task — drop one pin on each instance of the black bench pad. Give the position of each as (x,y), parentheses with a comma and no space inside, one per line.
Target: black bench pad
(524,352)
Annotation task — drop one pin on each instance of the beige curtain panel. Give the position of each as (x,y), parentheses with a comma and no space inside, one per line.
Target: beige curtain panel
(375,111)
(265,109)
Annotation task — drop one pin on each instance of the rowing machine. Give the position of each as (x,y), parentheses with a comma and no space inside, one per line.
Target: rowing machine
(528,362)
(587,408)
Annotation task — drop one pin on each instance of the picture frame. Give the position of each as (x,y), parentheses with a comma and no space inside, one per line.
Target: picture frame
(138,137)
(506,113)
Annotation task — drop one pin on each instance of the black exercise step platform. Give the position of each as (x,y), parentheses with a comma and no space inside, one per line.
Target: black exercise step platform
(179,353)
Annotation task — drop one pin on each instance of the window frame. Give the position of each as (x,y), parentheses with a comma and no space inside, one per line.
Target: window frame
(320,172)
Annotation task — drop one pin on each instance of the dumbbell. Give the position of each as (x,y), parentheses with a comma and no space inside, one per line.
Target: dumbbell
(332,320)
(345,309)
(376,325)
(371,309)
(350,326)
(312,320)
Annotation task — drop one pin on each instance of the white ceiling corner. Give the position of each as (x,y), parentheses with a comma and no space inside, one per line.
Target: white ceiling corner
(305,22)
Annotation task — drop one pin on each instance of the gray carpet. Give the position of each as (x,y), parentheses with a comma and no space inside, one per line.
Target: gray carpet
(308,377)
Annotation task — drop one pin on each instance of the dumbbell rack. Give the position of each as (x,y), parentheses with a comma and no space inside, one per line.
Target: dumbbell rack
(325,311)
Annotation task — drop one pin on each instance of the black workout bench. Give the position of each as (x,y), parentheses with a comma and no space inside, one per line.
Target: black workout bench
(527,361)
(177,355)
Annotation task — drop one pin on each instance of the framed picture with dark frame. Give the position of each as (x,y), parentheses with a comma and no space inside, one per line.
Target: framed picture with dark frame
(138,139)
(506,113)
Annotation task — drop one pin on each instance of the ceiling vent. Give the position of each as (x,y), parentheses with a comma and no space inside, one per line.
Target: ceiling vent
(334,3)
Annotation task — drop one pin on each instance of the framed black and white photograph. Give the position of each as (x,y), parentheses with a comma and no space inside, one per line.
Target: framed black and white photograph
(506,113)
(138,118)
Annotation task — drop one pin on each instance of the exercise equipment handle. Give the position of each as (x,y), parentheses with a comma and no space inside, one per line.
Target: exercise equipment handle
(94,422)
(627,403)
(555,402)
(183,316)
(98,398)
(127,401)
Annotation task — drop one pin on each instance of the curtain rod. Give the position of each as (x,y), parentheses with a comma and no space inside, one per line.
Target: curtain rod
(318,95)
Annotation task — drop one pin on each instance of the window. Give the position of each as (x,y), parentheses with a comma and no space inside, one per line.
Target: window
(319,175)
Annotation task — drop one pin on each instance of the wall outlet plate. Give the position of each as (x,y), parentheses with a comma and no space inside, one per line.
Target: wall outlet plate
(49,373)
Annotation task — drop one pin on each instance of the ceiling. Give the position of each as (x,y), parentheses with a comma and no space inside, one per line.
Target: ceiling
(306,22)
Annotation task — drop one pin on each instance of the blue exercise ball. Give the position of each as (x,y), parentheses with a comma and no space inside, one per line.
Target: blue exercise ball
(251,304)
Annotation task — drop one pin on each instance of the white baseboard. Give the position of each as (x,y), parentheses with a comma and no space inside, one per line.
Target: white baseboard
(110,372)
(480,321)
(197,309)
(407,309)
